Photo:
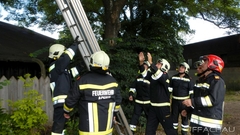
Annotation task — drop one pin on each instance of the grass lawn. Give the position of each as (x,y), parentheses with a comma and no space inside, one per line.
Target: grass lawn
(232,96)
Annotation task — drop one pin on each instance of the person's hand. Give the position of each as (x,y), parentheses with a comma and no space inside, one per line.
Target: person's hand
(184,113)
(67,116)
(149,58)
(187,102)
(141,57)
(130,98)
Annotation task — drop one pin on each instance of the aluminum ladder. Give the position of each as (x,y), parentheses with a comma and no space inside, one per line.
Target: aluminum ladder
(79,26)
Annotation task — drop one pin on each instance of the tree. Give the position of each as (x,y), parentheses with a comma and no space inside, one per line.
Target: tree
(137,25)
(224,14)
(125,27)
(112,17)
(158,24)
(140,25)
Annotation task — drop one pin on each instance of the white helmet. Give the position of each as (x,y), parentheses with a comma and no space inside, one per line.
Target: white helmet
(165,65)
(198,63)
(100,59)
(56,50)
(187,67)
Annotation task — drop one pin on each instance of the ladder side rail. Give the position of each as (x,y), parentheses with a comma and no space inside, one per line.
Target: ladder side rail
(83,22)
(80,29)
(88,43)
(68,18)
(85,51)
(125,122)
(121,123)
(83,48)
(87,25)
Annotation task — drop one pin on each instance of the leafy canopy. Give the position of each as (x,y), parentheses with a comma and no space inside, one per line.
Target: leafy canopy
(126,27)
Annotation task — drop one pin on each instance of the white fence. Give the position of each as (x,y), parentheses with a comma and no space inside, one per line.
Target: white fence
(15,91)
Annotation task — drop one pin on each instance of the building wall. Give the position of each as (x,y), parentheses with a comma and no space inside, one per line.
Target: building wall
(231,77)
(227,48)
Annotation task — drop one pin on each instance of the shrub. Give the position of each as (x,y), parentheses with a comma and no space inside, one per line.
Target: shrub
(5,123)
(27,116)
(73,123)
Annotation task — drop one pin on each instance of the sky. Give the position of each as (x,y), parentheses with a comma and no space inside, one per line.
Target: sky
(204,31)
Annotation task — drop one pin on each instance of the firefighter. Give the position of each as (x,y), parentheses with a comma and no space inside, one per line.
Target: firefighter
(60,82)
(181,86)
(208,99)
(97,96)
(159,111)
(140,87)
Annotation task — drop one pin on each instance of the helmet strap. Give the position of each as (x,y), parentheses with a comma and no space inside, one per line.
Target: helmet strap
(98,70)
(203,72)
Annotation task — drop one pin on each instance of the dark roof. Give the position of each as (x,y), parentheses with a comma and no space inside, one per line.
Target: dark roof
(227,48)
(16,43)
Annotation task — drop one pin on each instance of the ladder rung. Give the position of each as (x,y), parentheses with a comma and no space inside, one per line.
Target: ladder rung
(73,25)
(65,9)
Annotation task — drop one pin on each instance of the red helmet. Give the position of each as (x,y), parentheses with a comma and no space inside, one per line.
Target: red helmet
(214,62)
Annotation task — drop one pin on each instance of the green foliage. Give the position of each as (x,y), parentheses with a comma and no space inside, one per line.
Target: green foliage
(38,52)
(6,127)
(141,126)
(4,83)
(28,81)
(124,61)
(27,116)
(72,124)
(145,26)
(224,14)
(146,16)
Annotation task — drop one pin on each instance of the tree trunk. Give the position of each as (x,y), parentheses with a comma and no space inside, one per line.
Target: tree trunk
(112,24)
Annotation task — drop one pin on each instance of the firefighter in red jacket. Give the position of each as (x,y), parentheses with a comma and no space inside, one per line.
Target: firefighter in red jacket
(97,96)
(208,99)
(140,87)
(159,111)
(181,86)
(60,82)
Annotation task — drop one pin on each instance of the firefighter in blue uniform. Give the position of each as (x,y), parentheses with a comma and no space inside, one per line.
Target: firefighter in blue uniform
(208,99)
(181,86)
(97,96)
(60,82)
(140,87)
(159,111)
